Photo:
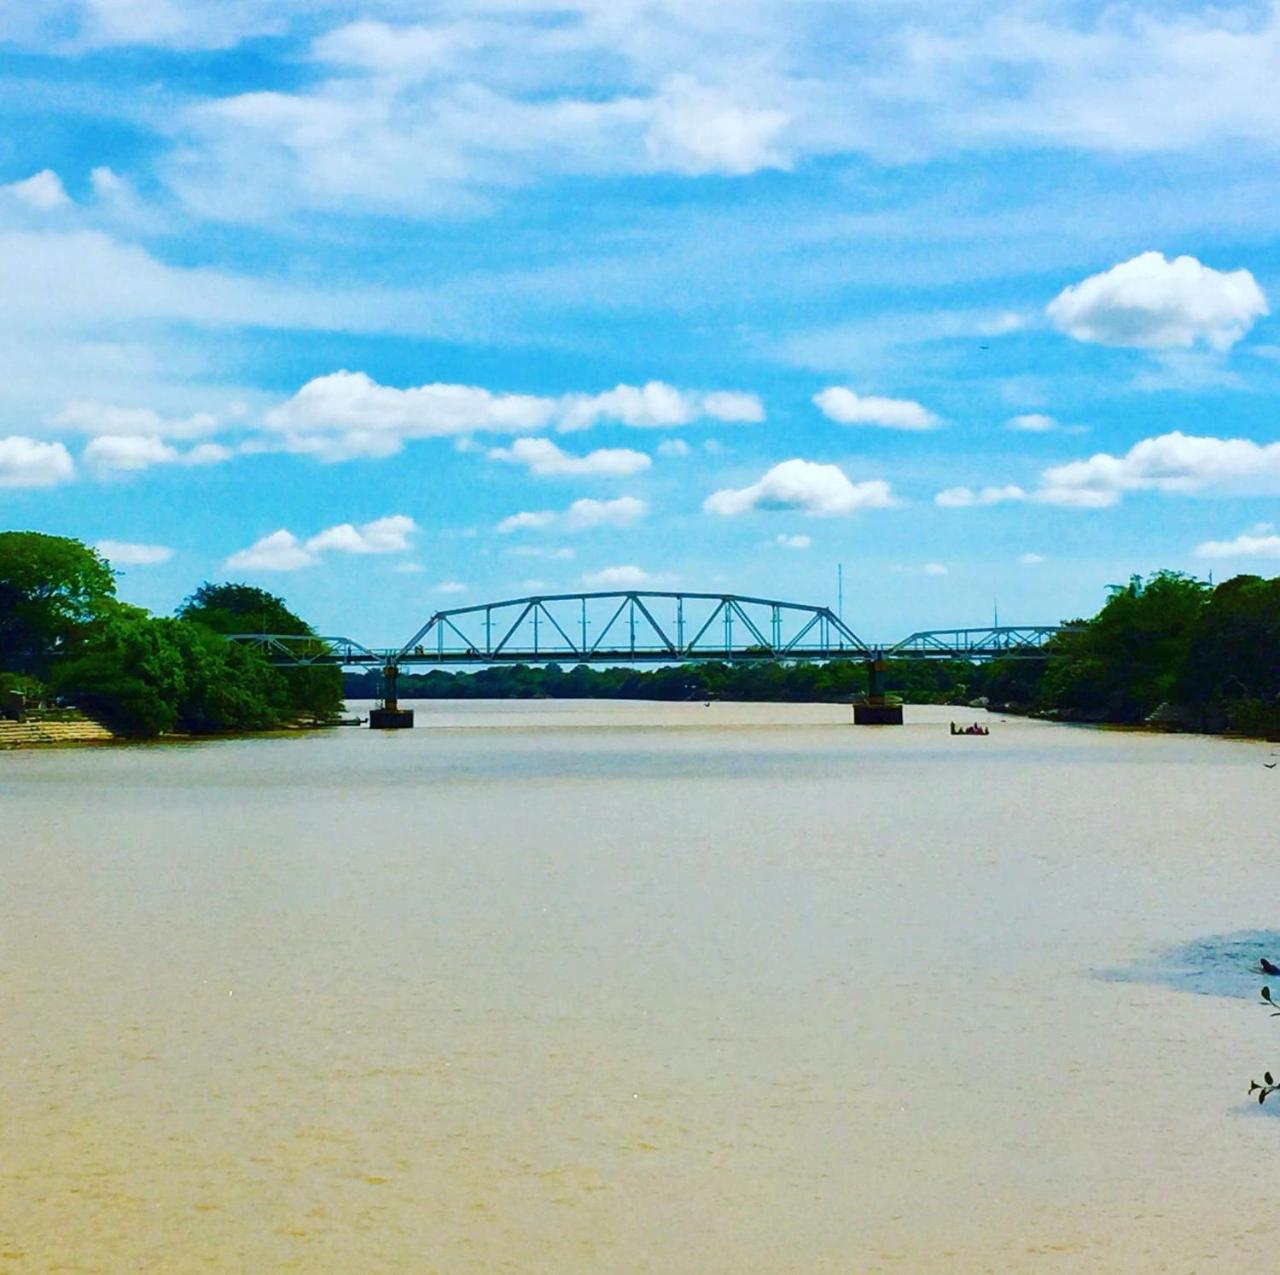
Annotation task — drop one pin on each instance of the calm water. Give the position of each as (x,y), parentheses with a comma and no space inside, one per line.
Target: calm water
(598,987)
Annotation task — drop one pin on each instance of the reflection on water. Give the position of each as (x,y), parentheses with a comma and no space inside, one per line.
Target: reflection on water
(631,987)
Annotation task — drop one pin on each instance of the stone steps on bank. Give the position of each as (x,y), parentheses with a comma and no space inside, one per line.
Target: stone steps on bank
(81,731)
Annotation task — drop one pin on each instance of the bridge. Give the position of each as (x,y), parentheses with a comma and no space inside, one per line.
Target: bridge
(647,627)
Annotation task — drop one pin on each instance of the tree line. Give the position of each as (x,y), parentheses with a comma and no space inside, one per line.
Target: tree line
(65,634)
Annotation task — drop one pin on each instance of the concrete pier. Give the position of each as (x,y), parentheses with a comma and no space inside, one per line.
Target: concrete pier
(389,715)
(876,708)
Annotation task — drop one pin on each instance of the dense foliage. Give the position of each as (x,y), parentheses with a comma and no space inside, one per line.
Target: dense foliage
(1199,657)
(62,628)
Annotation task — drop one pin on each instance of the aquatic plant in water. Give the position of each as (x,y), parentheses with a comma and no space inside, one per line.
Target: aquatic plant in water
(1268,1085)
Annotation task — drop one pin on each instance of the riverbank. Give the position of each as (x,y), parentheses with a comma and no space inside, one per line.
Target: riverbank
(83,731)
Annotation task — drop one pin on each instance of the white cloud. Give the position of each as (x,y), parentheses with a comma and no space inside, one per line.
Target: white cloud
(842,405)
(124,553)
(383,535)
(625,577)
(934,569)
(280,551)
(966,497)
(450,586)
(347,414)
(408,568)
(1174,463)
(1032,423)
(1030,559)
(544,459)
(604,513)
(733,405)
(129,453)
(802,484)
(27,462)
(538,551)
(580,516)
(101,418)
(656,405)
(793,542)
(674,447)
(1260,541)
(698,130)
(1152,303)
(44,192)
(527,521)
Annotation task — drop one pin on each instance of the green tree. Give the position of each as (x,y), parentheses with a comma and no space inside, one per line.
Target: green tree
(51,589)
(1129,658)
(242,608)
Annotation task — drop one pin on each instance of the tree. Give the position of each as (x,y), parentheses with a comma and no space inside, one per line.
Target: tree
(1127,660)
(242,608)
(51,589)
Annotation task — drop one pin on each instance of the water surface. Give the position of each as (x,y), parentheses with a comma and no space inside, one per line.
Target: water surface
(562,987)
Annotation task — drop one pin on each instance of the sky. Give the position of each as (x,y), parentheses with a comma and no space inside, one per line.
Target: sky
(392,306)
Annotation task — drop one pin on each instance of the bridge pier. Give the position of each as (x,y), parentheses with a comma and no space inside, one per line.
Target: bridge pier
(876,709)
(389,715)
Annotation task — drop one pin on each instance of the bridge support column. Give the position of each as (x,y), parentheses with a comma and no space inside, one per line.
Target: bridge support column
(389,715)
(876,709)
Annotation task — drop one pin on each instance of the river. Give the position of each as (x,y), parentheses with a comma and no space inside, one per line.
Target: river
(602,987)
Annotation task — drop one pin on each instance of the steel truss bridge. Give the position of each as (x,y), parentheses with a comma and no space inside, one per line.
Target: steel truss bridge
(643,627)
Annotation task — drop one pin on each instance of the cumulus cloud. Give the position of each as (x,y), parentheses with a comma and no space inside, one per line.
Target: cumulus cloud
(934,569)
(1152,303)
(805,485)
(27,462)
(604,513)
(674,447)
(44,191)
(1030,559)
(450,586)
(840,404)
(1174,463)
(544,459)
(283,551)
(383,535)
(280,551)
(129,453)
(92,418)
(1032,423)
(125,553)
(529,520)
(656,405)
(1260,541)
(698,130)
(347,414)
(580,516)
(793,542)
(967,497)
(624,577)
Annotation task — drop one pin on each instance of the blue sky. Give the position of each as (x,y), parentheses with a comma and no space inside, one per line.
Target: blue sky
(390,305)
